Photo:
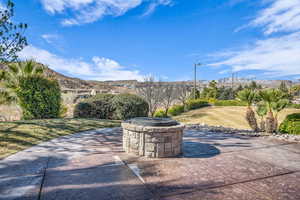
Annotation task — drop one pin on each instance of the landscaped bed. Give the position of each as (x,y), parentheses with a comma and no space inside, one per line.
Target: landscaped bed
(227,116)
(19,135)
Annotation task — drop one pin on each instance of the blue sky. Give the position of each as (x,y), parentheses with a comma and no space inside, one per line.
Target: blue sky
(129,39)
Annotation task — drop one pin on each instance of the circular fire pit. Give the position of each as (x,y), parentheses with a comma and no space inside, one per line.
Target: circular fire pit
(152,137)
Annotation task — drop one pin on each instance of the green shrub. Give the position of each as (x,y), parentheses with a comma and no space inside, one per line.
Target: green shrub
(83,110)
(39,97)
(230,103)
(99,107)
(102,106)
(292,105)
(176,110)
(63,111)
(291,124)
(211,100)
(195,104)
(127,106)
(160,114)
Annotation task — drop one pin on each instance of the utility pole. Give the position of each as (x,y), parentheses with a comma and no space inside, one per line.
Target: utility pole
(195,77)
(232,80)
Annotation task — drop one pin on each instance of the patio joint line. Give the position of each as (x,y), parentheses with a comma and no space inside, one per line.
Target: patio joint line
(230,184)
(43,179)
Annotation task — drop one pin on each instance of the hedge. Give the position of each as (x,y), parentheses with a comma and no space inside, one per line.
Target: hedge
(176,110)
(195,104)
(102,107)
(291,124)
(127,106)
(108,106)
(83,110)
(229,103)
(39,98)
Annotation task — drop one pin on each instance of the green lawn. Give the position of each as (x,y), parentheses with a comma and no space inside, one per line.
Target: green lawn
(19,135)
(227,116)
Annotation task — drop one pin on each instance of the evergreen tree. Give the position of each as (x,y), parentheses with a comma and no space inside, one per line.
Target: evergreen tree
(12,40)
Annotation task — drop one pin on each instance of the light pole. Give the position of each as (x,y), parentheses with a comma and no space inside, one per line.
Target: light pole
(195,74)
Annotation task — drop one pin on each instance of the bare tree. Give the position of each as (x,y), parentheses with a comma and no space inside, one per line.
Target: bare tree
(182,92)
(151,92)
(168,94)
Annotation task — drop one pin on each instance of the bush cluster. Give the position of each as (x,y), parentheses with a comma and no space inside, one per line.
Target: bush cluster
(229,103)
(102,106)
(292,105)
(176,110)
(195,104)
(128,106)
(39,97)
(291,124)
(160,114)
(108,106)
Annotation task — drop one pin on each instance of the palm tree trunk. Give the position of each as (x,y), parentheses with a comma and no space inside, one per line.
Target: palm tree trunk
(262,125)
(270,122)
(251,119)
(276,122)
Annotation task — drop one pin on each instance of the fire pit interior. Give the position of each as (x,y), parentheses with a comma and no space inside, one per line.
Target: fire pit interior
(152,137)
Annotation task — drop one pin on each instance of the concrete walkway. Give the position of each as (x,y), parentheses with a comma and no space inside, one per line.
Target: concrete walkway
(92,165)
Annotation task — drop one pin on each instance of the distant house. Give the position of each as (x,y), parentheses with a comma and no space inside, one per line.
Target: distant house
(296,100)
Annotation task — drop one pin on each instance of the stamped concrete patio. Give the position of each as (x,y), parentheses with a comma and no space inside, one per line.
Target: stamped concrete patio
(92,165)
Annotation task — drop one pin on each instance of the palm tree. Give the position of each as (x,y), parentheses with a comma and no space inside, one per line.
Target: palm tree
(261,111)
(277,107)
(10,78)
(248,96)
(275,102)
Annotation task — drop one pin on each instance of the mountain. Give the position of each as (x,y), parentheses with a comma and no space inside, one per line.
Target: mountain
(71,83)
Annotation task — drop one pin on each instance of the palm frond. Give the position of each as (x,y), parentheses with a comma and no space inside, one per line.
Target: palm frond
(261,109)
(14,68)
(28,67)
(246,95)
(280,105)
(2,75)
(7,98)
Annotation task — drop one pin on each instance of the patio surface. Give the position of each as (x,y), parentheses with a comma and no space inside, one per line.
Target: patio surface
(92,165)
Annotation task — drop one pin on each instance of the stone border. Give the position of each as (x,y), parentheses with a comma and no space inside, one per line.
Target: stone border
(221,129)
(157,129)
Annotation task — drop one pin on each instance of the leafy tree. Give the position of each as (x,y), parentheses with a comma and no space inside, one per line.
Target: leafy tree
(248,96)
(12,39)
(211,91)
(239,88)
(10,79)
(225,93)
(283,88)
(195,94)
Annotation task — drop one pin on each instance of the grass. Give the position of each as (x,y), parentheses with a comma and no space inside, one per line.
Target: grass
(19,135)
(227,116)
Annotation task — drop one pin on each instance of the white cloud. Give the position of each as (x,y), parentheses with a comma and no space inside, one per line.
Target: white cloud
(152,6)
(277,56)
(97,69)
(88,11)
(279,16)
(50,38)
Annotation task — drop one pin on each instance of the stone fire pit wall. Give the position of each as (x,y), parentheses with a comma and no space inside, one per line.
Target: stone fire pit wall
(152,141)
